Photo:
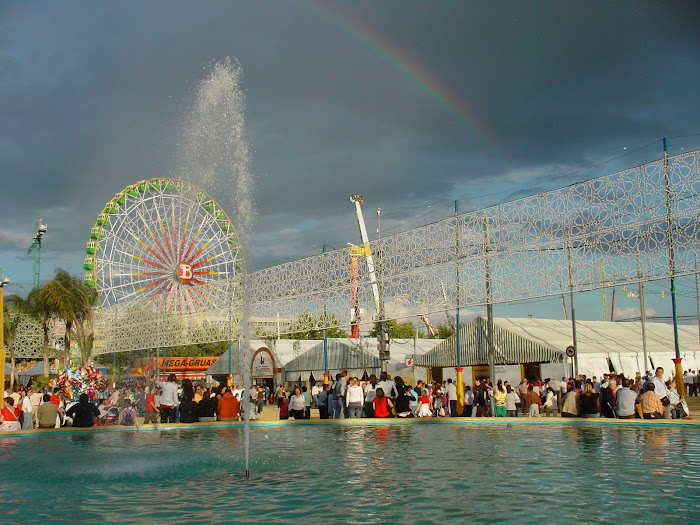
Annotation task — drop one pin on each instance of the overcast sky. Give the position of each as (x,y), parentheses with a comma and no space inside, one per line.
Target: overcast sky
(413,104)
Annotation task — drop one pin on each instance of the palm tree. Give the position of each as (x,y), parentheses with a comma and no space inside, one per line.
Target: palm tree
(85,318)
(62,298)
(11,307)
(41,310)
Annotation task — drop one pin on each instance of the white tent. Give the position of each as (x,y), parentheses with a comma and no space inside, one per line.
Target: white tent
(619,342)
(602,346)
(305,359)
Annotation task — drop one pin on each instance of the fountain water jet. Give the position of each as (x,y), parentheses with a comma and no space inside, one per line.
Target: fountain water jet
(216,157)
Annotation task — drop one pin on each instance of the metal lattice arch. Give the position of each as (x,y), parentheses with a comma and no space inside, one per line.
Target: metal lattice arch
(166,262)
(627,222)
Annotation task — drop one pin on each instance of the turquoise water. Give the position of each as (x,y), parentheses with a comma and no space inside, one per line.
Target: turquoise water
(358,474)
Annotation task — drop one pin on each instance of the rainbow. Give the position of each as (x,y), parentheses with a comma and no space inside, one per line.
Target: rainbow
(415,72)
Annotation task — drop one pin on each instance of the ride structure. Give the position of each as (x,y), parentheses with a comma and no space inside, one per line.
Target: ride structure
(164,255)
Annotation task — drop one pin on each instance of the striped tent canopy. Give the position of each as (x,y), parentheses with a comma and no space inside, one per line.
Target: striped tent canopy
(510,348)
(343,354)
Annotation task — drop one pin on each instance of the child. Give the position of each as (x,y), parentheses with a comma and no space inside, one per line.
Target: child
(128,415)
(283,406)
(151,409)
(424,407)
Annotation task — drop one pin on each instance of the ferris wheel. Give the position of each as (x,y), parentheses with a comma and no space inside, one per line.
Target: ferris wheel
(163,244)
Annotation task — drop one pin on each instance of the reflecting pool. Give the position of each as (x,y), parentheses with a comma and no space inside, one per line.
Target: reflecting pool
(355,473)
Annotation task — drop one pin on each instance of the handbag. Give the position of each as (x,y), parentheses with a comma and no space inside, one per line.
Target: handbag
(664,401)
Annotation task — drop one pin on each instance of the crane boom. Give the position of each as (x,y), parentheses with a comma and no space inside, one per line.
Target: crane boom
(358,200)
(383,339)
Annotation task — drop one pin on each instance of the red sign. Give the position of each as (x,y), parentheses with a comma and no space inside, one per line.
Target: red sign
(409,361)
(570,351)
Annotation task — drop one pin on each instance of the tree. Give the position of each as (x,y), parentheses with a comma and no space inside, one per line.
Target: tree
(41,310)
(60,296)
(86,301)
(444,331)
(309,327)
(10,323)
(397,330)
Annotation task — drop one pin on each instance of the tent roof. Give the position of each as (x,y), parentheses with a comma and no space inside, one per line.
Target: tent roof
(601,337)
(509,347)
(523,340)
(293,353)
(342,354)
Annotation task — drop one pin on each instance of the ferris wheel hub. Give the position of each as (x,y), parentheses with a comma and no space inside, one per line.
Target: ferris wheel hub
(184,273)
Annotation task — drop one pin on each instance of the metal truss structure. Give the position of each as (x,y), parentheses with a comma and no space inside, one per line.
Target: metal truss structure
(28,338)
(640,224)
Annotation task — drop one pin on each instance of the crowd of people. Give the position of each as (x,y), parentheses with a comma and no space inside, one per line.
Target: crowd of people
(614,396)
(169,401)
(166,401)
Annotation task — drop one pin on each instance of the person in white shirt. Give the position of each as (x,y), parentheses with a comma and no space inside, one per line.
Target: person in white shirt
(27,412)
(168,399)
(659,384)
(370,394)
(452,397)
(388,386)
(355,399)
(689,380)
(35,398)
(315,391)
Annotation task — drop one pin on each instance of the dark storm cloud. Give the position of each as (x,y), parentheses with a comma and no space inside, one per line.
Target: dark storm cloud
(95,95)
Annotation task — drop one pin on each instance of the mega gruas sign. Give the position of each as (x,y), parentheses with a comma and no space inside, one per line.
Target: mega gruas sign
(184,366)
(263,364)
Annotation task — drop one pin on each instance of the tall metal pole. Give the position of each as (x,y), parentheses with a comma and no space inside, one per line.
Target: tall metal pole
(643,313)
(3,282)
(697,291)
(680,386)
(458,336)
(230,368)
(326,372)
(489,303)
(571,299)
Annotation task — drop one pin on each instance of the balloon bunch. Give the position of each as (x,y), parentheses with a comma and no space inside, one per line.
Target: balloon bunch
(82,380)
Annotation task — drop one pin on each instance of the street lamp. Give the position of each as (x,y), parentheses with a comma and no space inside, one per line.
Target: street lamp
(3,282)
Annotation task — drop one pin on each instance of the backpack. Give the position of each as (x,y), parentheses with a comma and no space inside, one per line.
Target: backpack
(128,417)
